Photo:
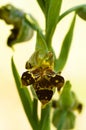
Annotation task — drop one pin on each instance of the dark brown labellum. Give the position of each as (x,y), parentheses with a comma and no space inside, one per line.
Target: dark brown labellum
(44,80)
(44,95)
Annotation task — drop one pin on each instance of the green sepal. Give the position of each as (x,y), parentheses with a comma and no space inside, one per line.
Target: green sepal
(58,119)
(33,61)
(77,105)
(66,99)
(69,121)
(41,51)
(41,45)
(63,119)
(61,61)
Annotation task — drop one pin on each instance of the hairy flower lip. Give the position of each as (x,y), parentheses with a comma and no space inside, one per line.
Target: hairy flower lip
(44,80)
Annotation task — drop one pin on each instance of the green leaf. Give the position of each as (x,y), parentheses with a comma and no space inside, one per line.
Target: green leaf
(52,15)
(62,59)
(33,92)
(24,96)
(41,45)
(42,5)
(45,118)
(35,108)
(82,12)
(81,8)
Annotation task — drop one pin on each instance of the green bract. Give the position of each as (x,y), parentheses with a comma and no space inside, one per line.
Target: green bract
(41,45)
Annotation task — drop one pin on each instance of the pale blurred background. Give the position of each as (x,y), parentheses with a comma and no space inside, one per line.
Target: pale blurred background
(12,116)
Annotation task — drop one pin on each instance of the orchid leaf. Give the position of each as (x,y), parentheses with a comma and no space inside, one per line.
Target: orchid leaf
(42,5)
(53,10)
(24,95)
(61,61)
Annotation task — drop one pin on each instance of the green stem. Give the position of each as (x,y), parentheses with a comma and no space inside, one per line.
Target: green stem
(33,23)
(35,108)
(45,118)
(69,11)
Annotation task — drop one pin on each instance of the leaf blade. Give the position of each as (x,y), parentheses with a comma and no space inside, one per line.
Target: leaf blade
(42,5)
(35,108)
(52,16)
(61,61)
(24,96)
